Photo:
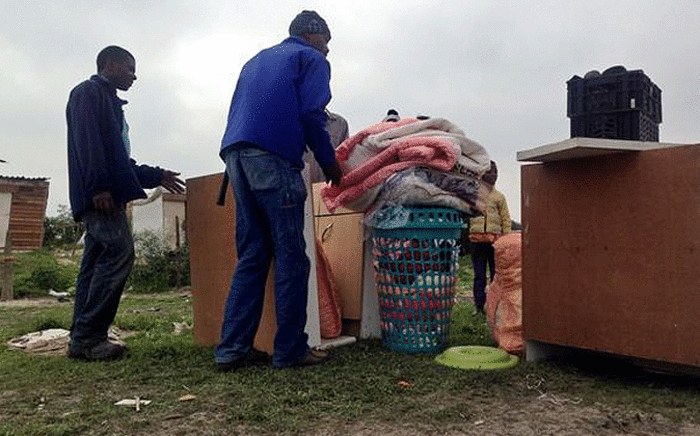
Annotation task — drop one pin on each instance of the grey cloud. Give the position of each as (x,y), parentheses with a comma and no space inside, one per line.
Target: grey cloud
(498,69)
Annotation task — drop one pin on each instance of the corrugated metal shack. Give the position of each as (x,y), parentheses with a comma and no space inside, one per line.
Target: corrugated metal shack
(22,211)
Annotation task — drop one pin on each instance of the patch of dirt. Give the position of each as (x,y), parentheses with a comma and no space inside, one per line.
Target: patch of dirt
(532,418)
(51,301)
(33,302)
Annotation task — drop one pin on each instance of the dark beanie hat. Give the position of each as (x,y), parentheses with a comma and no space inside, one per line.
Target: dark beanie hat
(309,22)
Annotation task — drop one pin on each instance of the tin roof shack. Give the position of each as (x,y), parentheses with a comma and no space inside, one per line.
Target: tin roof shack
(22,211)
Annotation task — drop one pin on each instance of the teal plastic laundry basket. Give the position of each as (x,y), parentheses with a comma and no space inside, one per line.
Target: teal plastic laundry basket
(415,269)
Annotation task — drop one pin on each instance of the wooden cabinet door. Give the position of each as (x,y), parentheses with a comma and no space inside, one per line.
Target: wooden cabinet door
(342,240)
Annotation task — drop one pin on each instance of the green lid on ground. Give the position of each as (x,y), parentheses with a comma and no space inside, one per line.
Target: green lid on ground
(476,357)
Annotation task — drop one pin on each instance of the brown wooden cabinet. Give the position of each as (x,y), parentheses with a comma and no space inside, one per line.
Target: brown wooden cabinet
(611,249)
(348,246)
(211,232)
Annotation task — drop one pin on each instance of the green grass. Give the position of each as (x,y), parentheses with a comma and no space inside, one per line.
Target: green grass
(358,391)
(360,382)
(34,273)
(465,276)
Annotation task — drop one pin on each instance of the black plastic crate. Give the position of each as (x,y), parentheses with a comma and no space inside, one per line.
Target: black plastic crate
(634,125)
(615,90)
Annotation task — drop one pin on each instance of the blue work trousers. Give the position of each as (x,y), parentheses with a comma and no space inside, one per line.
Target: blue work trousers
(482,256)
(270,195)
(108,256)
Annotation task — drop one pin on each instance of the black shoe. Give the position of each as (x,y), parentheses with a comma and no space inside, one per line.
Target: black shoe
(257,357)
(103,351)
(253,358)
(480,310)
(313,357)
(231,366)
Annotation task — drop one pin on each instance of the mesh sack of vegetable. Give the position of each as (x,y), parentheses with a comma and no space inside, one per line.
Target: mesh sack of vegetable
(504,296)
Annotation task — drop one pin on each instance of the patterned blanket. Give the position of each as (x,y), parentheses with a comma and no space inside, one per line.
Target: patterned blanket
(369,157)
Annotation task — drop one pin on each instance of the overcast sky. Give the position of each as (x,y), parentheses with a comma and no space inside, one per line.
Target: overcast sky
(497,69)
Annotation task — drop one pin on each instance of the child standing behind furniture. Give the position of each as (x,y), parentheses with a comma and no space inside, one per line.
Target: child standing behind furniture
(483,232)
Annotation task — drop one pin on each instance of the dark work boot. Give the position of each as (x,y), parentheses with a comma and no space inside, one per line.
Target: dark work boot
(253,358)
(102,351)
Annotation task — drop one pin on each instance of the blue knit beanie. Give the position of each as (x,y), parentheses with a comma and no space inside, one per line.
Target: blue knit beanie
(309,22)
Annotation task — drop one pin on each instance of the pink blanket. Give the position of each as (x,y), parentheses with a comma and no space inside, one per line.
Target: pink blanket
(342,153)
(399,154)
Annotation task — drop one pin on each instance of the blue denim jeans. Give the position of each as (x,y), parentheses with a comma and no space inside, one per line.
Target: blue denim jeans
(270,196)
(107,260)
(482,256)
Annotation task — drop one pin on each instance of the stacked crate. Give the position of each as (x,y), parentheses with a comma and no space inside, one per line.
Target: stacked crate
(617,104)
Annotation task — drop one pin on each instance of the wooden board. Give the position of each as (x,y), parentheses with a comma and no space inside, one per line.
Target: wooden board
(611,253)
(211,232)
(342,240)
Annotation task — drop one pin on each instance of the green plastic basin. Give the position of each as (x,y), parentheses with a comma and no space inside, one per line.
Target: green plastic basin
(476,357)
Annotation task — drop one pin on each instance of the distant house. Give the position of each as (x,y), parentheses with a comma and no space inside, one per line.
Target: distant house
(163,213)
(22,211)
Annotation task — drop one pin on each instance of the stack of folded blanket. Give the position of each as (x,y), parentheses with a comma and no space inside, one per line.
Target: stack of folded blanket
(411,162)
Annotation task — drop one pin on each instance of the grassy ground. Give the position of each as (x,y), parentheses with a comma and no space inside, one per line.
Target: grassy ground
(364,389)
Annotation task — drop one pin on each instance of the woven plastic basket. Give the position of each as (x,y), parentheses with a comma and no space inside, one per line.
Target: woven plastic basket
(415,272)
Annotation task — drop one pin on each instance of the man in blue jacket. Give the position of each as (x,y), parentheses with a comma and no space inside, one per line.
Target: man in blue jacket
(278,109)
(102,179)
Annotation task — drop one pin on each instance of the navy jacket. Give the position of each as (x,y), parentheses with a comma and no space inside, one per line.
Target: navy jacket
(97,158)
(279,103)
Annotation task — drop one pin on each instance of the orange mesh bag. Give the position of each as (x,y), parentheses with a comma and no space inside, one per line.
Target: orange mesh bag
(329,308)
(504,296)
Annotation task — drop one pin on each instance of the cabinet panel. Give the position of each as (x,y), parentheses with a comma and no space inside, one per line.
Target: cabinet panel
(342,240)
(611,252)
(211,234)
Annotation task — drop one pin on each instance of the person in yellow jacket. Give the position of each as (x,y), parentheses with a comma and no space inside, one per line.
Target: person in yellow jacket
(483,232)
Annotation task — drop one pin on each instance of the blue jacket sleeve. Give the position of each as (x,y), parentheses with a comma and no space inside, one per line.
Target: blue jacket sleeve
(88,147)
(314,95)
(149,177)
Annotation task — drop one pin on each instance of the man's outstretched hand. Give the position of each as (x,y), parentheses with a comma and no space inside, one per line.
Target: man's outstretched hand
(172,183)
(333,174)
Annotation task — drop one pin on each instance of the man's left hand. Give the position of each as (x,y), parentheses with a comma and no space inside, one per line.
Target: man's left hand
(333,174)
(172,183)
